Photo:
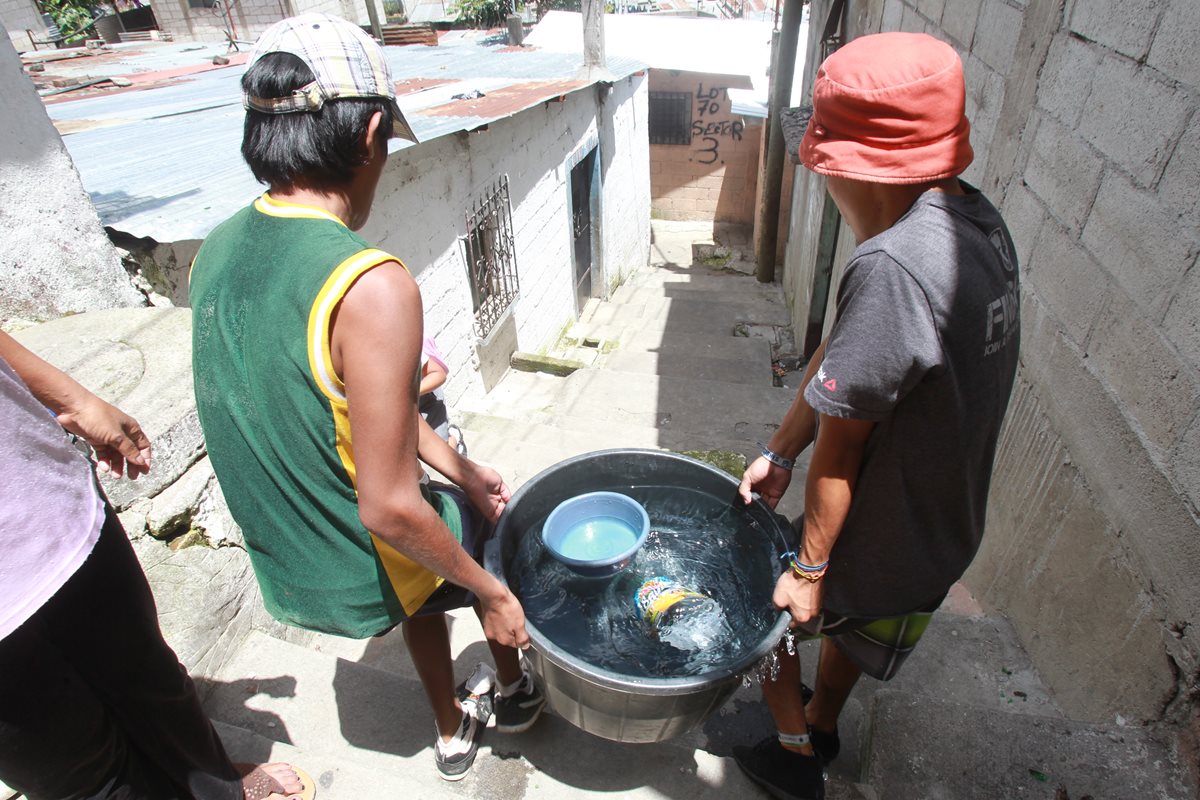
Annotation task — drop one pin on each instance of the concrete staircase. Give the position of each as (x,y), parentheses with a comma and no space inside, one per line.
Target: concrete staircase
(679,358)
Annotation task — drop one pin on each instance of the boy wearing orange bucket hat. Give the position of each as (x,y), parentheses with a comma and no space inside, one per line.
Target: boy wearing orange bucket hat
(904,400)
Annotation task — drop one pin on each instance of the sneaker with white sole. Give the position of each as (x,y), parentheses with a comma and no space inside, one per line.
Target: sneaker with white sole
(520,709)
(474,694)
(455,757)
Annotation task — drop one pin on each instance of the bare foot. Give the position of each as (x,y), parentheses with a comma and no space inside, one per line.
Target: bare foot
(273,782)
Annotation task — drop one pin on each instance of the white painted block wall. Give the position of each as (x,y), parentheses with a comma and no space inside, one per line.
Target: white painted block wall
(420,207)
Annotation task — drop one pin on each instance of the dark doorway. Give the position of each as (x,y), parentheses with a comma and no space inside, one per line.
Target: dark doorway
(582,227)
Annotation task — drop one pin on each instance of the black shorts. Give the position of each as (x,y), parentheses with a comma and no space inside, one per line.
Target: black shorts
(476,531)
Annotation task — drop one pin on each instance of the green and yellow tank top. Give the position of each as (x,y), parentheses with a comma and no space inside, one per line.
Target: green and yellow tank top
(263,289)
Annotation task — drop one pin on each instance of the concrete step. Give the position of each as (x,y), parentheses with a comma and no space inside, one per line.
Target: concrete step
(698,367)
(692,316)
(677,338)
(705,410)
(698,278)
(519,449)
(562,437)
(534,392)
(652,284)
(683,329)
(721,346)
(358,722)
(928,748)
(335,780)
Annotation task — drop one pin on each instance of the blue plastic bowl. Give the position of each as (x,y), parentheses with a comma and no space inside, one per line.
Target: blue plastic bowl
(596,534)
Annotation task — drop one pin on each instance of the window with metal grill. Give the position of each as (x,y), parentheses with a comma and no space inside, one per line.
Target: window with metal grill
(491,256)
(670,118)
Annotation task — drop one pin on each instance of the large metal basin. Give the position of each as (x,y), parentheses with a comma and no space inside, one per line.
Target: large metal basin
(616,706)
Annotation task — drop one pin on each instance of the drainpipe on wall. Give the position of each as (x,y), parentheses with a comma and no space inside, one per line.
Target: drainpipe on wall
(766,221)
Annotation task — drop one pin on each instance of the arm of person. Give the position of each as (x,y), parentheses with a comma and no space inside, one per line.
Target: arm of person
(832,475)
(433,375)
(484,487)
(790,439)
(376,344)
(121,446)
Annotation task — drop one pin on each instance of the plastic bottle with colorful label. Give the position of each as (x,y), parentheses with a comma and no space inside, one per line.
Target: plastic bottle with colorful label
(679,616)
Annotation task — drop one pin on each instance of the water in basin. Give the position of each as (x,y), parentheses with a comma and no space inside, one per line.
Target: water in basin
(597,538)
(697,540)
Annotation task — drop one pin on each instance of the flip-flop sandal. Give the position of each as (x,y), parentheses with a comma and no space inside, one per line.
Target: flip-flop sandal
(456,432)
(258,785)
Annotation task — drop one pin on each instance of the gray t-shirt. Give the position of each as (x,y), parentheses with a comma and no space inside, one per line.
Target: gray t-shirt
(925,344)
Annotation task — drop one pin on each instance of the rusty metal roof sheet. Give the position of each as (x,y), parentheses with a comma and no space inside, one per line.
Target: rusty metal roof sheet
(165,162)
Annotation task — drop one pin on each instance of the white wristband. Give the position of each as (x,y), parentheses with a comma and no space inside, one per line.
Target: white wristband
(776,459)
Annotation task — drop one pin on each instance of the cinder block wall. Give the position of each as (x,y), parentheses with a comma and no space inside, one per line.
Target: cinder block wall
(714,177)
(1086,133)
(54,257)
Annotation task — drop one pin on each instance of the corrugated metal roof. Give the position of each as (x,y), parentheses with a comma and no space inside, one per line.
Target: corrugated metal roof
(165,162)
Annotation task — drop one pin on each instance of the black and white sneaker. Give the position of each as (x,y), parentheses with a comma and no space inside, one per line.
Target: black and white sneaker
(476,693)
(517,712)
(456,756)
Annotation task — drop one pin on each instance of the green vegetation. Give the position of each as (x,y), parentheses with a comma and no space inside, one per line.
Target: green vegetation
(493,13)
(394,11)
(726,460)
(482,13)
(72,17)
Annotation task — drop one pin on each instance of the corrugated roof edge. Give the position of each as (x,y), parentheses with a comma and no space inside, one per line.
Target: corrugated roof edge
(538,91)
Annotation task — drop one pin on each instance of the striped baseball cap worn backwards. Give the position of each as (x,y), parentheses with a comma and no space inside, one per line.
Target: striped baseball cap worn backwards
(346,63)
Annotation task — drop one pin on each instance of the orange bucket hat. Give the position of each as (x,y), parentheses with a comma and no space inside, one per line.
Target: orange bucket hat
(889,108)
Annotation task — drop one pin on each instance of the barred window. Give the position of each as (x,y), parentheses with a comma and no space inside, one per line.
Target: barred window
(670,118)
(491,256)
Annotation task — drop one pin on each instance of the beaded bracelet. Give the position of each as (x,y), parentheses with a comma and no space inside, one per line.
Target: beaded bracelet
(776,459)
(809,572)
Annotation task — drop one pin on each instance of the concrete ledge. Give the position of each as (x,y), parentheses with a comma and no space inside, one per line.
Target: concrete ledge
(530,362)
(139,359)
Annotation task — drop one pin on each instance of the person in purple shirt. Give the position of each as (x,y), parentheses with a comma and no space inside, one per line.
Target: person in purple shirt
(93,702)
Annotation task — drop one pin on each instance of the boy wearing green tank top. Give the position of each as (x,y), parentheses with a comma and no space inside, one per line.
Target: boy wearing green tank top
(306,353)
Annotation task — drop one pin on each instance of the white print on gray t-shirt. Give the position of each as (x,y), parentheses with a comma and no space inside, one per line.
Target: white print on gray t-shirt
(1002,313)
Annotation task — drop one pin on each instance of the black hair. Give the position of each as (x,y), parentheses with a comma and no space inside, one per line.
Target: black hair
(316,149)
